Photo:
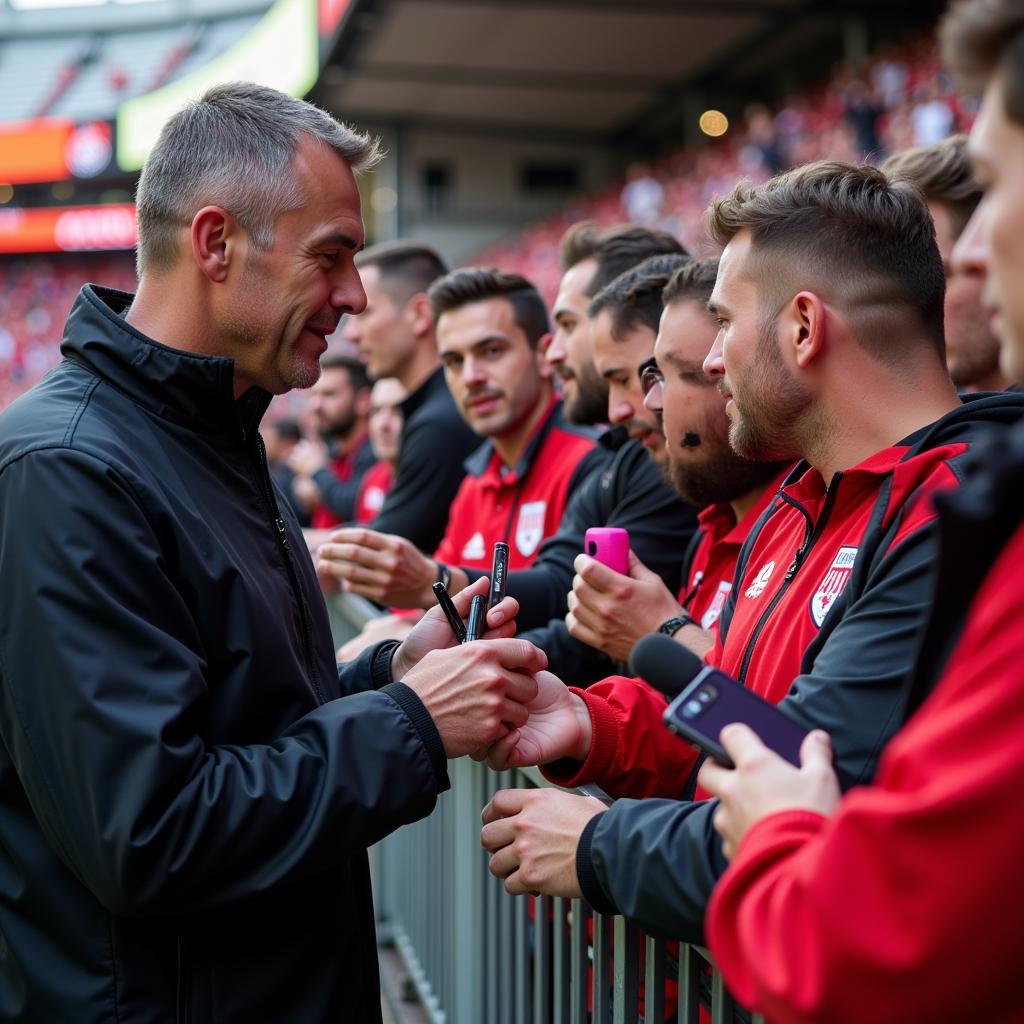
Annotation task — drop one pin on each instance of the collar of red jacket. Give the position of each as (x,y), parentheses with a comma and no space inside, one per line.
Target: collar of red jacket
(718,521)
(494,474)
(810,487)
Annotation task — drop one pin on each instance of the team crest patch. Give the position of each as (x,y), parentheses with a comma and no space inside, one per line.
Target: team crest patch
(833,585)
(474,548)
(714,610)
(756,589)
(530,526)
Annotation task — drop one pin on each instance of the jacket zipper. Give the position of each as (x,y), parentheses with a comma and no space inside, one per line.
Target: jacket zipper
(812,532)
(281,533)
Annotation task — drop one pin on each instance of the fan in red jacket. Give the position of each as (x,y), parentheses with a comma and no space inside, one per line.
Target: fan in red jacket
(611,611)
(329,472)
(903,903)
(490,330)
(831,593)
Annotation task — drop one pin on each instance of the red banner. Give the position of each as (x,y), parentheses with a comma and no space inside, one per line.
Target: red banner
(67,228)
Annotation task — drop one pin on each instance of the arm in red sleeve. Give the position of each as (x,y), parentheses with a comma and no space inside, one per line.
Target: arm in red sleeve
(906,905)
(632,753)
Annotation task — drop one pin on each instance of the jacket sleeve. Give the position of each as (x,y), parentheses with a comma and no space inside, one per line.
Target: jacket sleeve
(853,688)
(339,496)
(427,477)
(104,677)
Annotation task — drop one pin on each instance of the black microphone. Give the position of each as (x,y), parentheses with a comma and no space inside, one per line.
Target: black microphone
(690,440)
(660,661)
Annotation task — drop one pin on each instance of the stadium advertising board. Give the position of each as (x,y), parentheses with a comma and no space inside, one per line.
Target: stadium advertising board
(280,51)
(67,228)
(54,149)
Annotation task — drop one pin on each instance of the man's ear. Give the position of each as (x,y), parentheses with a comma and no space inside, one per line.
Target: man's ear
(419,314)
(547,371)
(801,326)
(215,237)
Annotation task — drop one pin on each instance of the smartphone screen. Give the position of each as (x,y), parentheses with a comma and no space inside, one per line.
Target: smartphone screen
(713,701)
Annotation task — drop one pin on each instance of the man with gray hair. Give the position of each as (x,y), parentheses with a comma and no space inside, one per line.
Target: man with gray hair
(188,781)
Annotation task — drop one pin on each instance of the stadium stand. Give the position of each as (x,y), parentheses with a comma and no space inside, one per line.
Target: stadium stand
(893,102)
(36,294)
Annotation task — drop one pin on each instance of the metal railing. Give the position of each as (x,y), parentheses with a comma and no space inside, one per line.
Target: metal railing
(479,956)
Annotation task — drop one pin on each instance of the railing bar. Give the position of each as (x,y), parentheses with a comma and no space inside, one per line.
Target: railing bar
(722,1008)
(602,964)
(579,962)
(522,961)
(542,960)
(626,970)
(654,981)
(561,961)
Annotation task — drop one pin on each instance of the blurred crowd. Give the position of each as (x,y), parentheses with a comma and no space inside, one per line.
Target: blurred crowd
(901,97)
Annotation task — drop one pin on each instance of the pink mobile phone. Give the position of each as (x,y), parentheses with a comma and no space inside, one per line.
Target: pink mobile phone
(610,546)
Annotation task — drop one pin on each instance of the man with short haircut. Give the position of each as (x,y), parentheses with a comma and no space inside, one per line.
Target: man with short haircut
(611,611)
(333,469)
(866,902)
(188,780)
(822,268)
(491,330)
(395,334)
(630,493)
(591,258)
(943,174)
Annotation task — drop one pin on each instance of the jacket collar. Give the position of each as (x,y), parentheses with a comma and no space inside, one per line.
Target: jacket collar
(195,391)
(486,461)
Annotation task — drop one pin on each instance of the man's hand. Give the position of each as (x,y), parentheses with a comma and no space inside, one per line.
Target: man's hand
(532,835)
(432,632)
(763,783)
(387,627)
(383,567)
(610,611)
(307,457)
(475,691)
(559,726)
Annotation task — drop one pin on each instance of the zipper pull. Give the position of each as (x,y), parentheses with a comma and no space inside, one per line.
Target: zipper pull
(797,559)
(282,533)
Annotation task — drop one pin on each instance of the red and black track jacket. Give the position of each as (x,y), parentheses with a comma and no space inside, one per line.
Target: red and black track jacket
(716,547)
(522,505)
(830,630)
(875,913)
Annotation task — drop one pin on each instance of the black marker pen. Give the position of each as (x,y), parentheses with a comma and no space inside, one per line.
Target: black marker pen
(499,574)
(448,607)
(475,625)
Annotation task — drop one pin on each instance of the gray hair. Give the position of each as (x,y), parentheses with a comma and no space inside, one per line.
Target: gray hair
(233,148)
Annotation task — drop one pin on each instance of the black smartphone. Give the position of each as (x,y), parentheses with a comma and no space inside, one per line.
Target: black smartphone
(713,701)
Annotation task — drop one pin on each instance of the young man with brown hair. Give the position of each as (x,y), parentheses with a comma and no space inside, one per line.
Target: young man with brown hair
(902,901)
(491,327)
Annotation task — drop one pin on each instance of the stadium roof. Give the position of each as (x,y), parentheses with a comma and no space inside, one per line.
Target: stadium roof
(584,69)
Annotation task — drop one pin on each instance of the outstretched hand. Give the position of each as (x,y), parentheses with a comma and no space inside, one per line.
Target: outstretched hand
(558,726)
(382,567)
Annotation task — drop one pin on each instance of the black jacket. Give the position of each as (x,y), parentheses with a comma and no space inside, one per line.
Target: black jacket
(629,492)
(184,805)
(434,444)
(657,860)
(339,496)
